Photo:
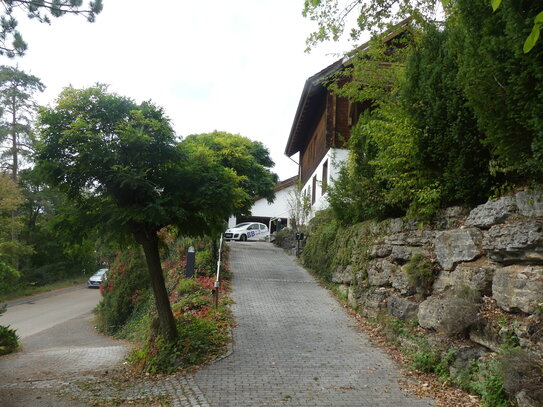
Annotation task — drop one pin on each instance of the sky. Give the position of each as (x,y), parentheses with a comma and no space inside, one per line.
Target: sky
(237,66)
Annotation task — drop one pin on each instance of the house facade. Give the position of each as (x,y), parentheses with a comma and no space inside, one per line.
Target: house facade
(322,127)
(319,133)
(265,212)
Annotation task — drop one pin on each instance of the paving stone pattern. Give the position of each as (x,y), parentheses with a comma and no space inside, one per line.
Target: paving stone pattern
(294,344)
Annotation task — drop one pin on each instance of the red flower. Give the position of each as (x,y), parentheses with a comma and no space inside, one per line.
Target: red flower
(207,282)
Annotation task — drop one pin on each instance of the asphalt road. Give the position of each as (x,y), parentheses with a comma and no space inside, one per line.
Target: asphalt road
(32,315)
(59,346)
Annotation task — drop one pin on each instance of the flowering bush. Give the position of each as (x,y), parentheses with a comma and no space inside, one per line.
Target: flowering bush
(127,309)
(127,280)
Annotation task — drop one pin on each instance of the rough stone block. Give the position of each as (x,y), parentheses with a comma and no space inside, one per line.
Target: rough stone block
(415,238)
(518,288)
(343,289)
(343,275)
(373,301)
(458,245)
(518,242)
(476,275)
(449,315)
(380,250)
(450,217)
(380,272)
(523,399)
(530,203)
(400,282)
(400,254)
(395,225)
(464,357)
(492,212)
(486,334)
(402,308)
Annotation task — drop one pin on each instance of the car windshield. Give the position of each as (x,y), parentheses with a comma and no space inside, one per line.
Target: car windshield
(240,225)
(100,272)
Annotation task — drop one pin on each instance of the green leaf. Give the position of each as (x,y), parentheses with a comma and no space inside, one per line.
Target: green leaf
(532,39)
(445,3)
(495,4)
(539,18)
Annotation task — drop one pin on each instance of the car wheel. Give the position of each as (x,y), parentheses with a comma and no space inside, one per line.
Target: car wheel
(243,238)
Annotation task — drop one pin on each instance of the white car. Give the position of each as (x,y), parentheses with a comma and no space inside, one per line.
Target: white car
(97,278)
(247,231)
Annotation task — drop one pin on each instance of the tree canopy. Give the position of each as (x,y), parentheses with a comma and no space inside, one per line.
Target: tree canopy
(454,120)
(123,166)
(11,40)
(358,16)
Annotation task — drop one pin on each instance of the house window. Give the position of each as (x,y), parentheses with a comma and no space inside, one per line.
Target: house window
(314,190)
(324,177)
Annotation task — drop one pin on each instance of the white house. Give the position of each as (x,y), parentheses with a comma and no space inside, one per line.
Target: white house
(263,211)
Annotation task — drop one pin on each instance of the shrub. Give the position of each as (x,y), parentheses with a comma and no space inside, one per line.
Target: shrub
(128,311)
(204,260)
(442,368)
(420,273)
(425,360)
(285,238)
(199,340)
(522,371)
(9,341)
(127,283)
(8,277)
(488,383)
(494,72)
(393,328)
(450,148)
(319,250)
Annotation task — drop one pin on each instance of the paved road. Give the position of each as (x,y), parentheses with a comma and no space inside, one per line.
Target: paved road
(60,345)
(35,314)
(294,344)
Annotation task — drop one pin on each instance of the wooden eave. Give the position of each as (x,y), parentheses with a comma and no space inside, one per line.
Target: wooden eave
(286,183)
(313,100)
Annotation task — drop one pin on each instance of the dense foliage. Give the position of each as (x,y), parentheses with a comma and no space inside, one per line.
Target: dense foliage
(127,280)
(448,145)
(503,85)
(120,163)
(9,341)
(456,119)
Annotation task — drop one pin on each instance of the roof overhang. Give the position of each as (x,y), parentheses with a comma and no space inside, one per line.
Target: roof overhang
(313,100)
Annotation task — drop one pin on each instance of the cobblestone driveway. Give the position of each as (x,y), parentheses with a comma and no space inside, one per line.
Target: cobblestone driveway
(294,344)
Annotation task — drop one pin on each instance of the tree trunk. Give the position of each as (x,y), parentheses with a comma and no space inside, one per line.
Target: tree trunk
(149,241)
(14,175)
(14,146)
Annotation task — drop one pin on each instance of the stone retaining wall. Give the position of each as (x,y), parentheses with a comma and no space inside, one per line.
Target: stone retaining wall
(487,274)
